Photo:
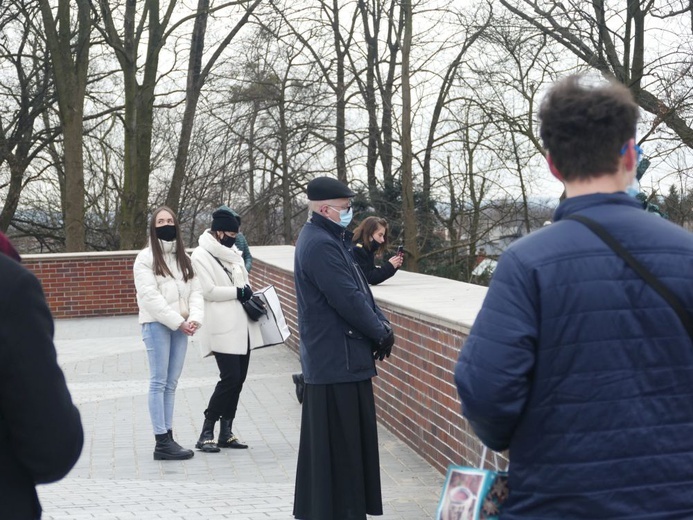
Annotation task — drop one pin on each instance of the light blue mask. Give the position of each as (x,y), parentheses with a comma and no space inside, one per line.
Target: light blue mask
(345,217)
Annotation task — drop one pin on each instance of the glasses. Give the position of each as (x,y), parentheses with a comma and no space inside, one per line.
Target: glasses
(638,151)
(339,208)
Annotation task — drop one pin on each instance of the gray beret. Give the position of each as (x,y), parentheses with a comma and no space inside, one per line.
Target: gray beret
(326,188)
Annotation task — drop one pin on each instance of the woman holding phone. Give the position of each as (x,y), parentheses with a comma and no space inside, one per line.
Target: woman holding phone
(370,239)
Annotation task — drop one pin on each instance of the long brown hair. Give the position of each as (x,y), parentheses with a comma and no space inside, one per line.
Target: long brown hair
(183,260)
(365,231)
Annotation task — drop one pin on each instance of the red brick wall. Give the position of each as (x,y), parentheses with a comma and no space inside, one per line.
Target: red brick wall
(82,285)
(415,393)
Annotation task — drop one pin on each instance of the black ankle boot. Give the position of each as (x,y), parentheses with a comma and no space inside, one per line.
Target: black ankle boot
(166,449)
(206,441)
(226,437)
(170,436)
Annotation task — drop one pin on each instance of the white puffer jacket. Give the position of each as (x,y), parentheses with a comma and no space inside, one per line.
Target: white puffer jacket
(164,298)
(227,327)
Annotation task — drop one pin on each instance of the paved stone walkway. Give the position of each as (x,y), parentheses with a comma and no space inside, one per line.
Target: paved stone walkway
(116,477)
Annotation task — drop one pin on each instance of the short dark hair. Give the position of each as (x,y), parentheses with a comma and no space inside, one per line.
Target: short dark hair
(584,127)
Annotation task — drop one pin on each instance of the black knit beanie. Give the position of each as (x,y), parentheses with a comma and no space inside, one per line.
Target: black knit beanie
(223,220)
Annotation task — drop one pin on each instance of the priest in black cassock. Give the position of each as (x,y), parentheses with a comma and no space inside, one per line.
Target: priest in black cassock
(342,332)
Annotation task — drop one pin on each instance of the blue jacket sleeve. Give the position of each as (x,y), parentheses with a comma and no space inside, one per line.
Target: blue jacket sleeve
(494,368)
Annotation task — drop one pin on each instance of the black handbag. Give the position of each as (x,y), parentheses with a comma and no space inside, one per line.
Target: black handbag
(255,308)
(642,271)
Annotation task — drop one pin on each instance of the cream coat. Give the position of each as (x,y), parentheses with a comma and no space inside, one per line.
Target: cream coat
(163,298)
(227,327)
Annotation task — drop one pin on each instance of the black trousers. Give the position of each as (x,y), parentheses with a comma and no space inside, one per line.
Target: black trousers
(233,369)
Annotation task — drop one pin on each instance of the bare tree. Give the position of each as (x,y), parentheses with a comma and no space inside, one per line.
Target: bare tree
(473,32)
(375,14)
(69,50)
(408,210)
(197,77)
(26,95)
(269,108)
(621,43)
(330,61)
(139,103)
(516,60)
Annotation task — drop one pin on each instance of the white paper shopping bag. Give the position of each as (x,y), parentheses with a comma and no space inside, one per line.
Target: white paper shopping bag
(273,325)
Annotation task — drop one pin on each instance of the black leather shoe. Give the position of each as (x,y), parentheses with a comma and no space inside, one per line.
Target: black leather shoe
(300,383)
(232,442)
(208,446)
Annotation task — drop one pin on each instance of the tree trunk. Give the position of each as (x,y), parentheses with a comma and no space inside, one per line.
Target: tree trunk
(387,88)
(138,115)
(192,96)
(371,40)
(251,153)
(408,209)
(70,66)
(14,191)
(286,185)
(340,131)
(74,179)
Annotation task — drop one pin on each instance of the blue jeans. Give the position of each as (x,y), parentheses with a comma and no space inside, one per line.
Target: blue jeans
(166,352)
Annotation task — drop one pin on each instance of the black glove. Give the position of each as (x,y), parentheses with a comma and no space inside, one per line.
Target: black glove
(384,347)
(244,293)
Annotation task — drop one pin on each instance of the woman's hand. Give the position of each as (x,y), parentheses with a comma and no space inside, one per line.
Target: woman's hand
(244,293)
(187,328)
(396,261)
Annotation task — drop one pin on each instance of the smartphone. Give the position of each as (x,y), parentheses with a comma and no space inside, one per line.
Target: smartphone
(400,250)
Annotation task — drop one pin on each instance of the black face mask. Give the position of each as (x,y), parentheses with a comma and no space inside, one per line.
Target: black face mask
(227,241)
(374,245)
(166,233)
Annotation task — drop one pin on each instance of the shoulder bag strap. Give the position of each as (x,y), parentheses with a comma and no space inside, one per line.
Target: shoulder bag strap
(644,273)
(229,274)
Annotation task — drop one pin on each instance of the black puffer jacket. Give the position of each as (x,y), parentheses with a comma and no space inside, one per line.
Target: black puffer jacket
(366,261)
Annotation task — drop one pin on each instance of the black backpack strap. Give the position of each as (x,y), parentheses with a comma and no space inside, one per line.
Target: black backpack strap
(640,269)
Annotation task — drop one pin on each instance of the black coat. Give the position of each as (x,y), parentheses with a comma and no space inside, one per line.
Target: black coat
(41,433)
(338,320)
(366,261)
